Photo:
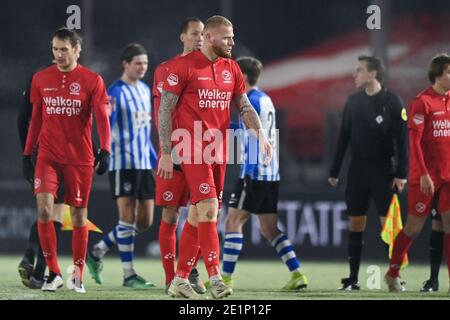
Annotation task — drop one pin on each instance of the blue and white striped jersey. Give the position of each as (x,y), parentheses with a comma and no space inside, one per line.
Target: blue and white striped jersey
(130,126)
(252,166)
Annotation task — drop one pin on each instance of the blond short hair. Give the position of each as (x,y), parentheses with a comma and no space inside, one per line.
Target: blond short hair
(217,21)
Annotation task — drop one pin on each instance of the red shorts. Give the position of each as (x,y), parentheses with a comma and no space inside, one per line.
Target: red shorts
(172,192)
(421,205)
(77,181)
(205,181)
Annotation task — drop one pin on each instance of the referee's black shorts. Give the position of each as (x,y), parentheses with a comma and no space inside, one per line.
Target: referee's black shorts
(367,181)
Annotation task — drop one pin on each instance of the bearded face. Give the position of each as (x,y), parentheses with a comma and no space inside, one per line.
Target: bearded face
(222,42)
(221,52)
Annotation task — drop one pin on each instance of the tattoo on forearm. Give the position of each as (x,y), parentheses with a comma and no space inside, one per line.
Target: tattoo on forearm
(248,113)
(168,103)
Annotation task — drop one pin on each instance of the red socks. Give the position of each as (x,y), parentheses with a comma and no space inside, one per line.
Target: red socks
(401,247)
(47,238)
(208,239)
(167,244)
(199,255)
(79,247)
(188,250)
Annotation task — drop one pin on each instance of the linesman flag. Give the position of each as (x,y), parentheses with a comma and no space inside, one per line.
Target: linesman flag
(67,222)
(393,226)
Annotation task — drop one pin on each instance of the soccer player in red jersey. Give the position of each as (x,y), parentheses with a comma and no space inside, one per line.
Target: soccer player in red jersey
(31,274)
(429,165)
(64,96)
(202,86)
(173,194)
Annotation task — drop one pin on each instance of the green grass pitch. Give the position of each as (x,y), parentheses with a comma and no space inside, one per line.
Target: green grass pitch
(254,280)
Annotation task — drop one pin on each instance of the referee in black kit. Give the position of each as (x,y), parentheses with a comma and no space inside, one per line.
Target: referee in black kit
(374,124)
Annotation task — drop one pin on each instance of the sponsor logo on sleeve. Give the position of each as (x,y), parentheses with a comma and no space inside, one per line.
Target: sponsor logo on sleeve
(418,119)
(172,79)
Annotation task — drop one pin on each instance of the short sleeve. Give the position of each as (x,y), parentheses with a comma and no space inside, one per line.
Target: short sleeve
(158,79)
(176,77)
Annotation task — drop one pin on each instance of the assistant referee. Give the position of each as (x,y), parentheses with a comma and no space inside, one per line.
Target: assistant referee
(374,125)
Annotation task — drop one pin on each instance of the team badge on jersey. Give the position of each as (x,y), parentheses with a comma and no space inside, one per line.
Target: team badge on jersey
(172,79)
(226,75)
(75,88)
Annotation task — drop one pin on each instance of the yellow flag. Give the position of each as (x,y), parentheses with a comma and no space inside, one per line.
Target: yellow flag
(392,226)
(67,222)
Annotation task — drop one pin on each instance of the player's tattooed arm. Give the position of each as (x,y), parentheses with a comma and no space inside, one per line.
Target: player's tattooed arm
(252,121)
(168,103)
(248,113)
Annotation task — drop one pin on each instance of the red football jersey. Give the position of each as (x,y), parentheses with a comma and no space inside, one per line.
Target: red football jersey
(63,103)
(429,120)
(206,90)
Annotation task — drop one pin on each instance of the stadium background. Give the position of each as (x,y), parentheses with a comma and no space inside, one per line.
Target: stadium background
(309,50)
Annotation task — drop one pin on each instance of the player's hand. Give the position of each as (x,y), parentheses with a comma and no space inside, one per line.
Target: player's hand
(333,182)
(399,184)
(28,169)
(165,166)
(266,147)
(426,185)
(101,161)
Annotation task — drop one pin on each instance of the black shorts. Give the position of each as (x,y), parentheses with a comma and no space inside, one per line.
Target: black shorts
(255,196)
(139,184)
(435,215)
(365,182)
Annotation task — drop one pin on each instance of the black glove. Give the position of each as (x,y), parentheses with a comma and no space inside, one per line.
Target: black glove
(28,169)
(102,160)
